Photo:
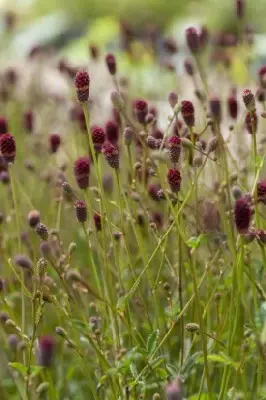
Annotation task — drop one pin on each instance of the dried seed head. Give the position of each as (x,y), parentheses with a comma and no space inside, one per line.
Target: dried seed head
(188,112)
(60,331)
(81,211)
(251,122)
(45,351)
(117,100)
(82,171)
(33,218)
(128,136)
(54,142)
(45,249)
(98,137)
(23,262)
(243,214)
(111,155)
(212,144)
(141,110)
(3,125)
(42,231)
(192,38)
(174,148)
(173,99)
(97,221)
(8,147)
(41,267)
(111,63)
(108,184)
(82,84)
(112,132)
(174,179)
(67,188)
(197,161)
(192,327)
(248,99)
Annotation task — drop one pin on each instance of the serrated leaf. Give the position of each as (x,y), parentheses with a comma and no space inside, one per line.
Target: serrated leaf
(173,371)
(152,341)
(157,361)
(19,367)
(133,370)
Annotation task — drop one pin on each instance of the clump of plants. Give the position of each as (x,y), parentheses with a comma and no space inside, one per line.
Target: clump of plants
(133,254)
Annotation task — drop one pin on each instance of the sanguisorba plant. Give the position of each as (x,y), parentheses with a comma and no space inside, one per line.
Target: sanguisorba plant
(133,254)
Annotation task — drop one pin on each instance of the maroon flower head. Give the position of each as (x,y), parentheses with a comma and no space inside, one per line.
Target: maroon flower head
(94,51)
(189,68)
(262,76)
(54,142)
(174,148)
(251,121)
(4,177)
(261,95)
(261,191)
(82,172)
(157,219)
(112,132)
(242,214)
(203,37)
(111,155)
(141,110)
(172,99)
(28,121)
(232,106)
(248,99)
(240,8)
(81,211)
(215,108)
(42,231)
(3,125)
(158,134)
(45,352)
(193,41)
(82,84)
(111,63)
(153,190)
(8,147)
(98,137)
(97,221)
(174,179)
(173,390)
(153,143)
(170,45)
(128,136)
(188,112)
(33,218)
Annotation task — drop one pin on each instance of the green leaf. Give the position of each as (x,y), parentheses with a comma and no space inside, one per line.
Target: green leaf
(35,370)
(173,371)
(19,367)
(220,358)
(133,370)
(204,396)
(195,241)
(152,341)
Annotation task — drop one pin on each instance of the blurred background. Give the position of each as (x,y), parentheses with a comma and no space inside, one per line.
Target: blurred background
(71,24)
